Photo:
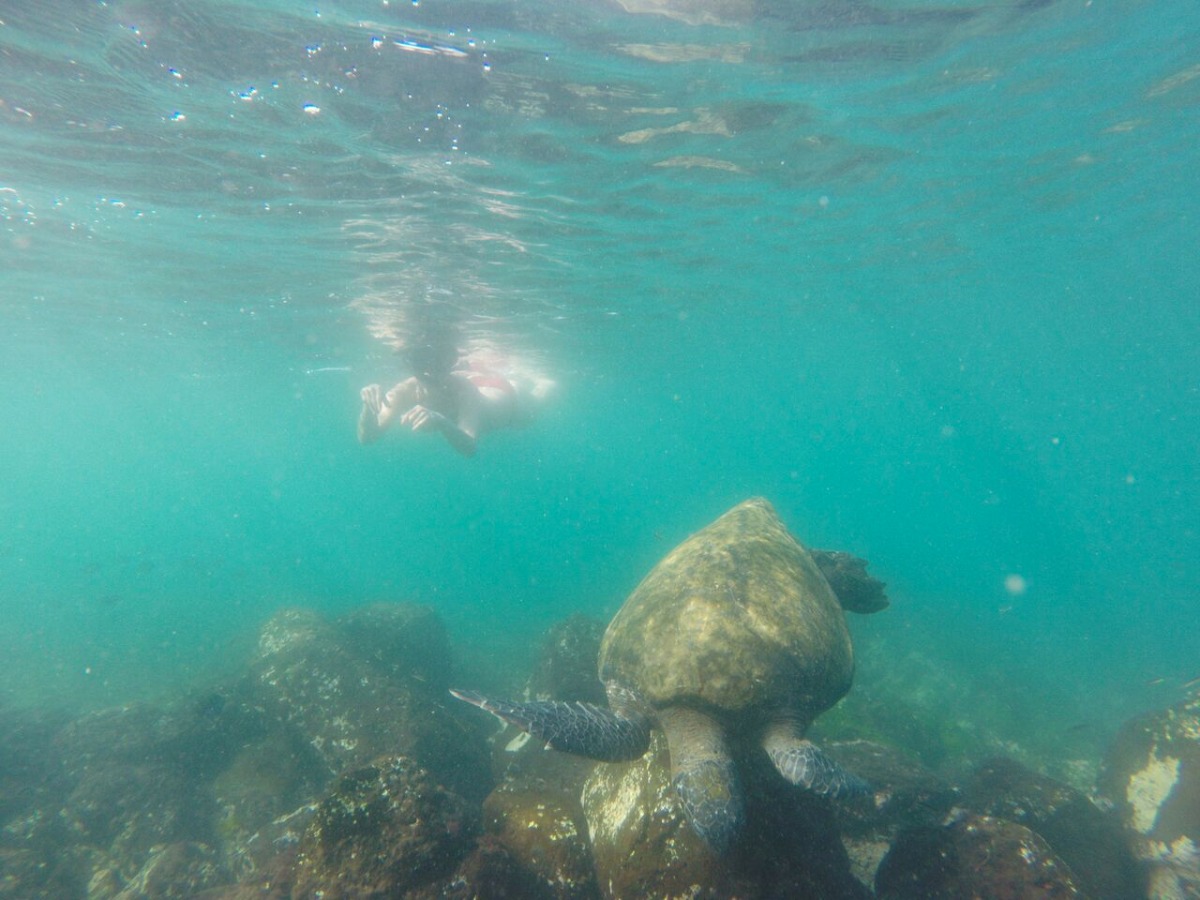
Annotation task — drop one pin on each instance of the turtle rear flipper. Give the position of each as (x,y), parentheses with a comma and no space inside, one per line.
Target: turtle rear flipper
(712,801)
(704,776)
(580,728)
(805,764)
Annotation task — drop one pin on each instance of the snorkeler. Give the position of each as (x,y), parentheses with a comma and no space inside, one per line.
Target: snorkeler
(459,397)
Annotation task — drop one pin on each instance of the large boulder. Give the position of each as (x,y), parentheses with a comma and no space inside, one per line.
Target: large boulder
(221,783)
(643,845)
(974,856)
(1089,840)
(1152,778)
(139,778)
(384,830)
(333,694)
(904,795)
(534,814)
(264,799)
(566,666)
(129,810)
(173,872)
(370,683)
(545,833)
(92,803)
(491,870)
(32,774)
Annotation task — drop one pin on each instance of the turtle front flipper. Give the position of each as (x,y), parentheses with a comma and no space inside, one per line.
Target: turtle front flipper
(803,763)
(703,774)
(846,573)
(580,728)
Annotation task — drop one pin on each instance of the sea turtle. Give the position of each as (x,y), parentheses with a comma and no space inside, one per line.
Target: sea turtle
(735,631)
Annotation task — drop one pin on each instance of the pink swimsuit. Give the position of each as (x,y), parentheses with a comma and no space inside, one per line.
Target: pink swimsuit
(489,380)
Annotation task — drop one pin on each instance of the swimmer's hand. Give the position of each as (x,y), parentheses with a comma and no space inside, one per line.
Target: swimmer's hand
(369,424)
(372,398)
(422,418)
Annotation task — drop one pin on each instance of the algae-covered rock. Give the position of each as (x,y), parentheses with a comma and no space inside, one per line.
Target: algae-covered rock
(128,810)
(263,800)
(29,873)
(176,871)
(1089,840)
(534,815)
(1152,778)
(220,784)
(32,773)
(546,834)
(643,845)
(332,695)
(975,856)
(904,794)
(401,640)
(566,666)
(641,842)
(490,870)
(384,829)
(367,684)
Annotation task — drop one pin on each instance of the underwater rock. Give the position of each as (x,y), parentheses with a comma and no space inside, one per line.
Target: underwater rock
(221,783)
(385,829)
(128,810)
(643,846)
(264,800)
(274,882)
(565,670)
(28,873)
(139,776)
(904,794)
(117,785)
(523,764)
(34,785)
(491,870)
(197,735)
(402,640)
(1087,839)
(566,667)
(918,706)
(534,813)
(32,774)
(1151,776)
(545,833)
(347,696)
(641,841)
(174,872)
(974,856)
(336,694)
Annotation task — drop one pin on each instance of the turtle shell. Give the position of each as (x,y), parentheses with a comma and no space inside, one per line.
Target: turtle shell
(738,618)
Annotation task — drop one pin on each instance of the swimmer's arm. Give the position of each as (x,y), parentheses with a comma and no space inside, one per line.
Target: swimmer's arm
(369,425)
(458,438)
(462,434)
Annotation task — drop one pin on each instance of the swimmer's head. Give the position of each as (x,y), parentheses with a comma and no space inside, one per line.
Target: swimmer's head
(431,360)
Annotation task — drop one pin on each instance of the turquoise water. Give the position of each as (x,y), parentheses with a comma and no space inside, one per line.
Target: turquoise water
(923,274)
